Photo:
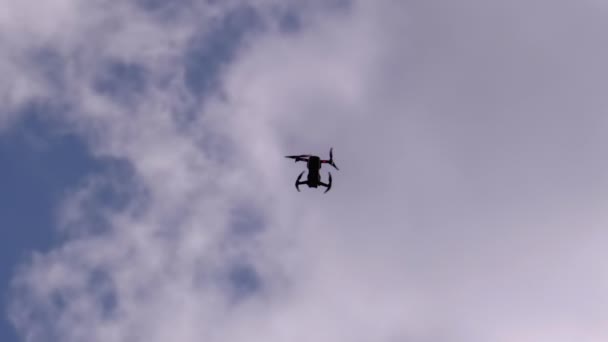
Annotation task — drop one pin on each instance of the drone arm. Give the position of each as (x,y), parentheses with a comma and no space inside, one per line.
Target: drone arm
(328,185)
(330,162)
(298,158)
(298,181)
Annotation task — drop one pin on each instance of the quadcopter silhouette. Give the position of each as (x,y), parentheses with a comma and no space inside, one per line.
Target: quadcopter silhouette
(314,163)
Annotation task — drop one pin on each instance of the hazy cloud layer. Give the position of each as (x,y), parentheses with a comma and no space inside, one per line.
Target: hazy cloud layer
(470,204)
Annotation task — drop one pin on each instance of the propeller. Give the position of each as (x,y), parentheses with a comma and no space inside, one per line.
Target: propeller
(331,159)
(301,157)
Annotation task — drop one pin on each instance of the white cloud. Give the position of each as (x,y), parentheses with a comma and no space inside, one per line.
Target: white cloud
(469,205)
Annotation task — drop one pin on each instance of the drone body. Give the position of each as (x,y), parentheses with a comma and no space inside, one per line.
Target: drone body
(314,163)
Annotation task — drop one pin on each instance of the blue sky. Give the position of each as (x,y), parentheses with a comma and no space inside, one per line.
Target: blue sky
(44,160)
(40,165)
(145,196)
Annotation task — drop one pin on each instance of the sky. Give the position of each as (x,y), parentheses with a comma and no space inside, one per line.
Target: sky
(144,193)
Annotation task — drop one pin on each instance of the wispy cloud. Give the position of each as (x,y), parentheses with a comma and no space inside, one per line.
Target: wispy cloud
(469,205)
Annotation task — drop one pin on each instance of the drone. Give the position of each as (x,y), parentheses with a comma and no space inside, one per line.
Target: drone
(313,163)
